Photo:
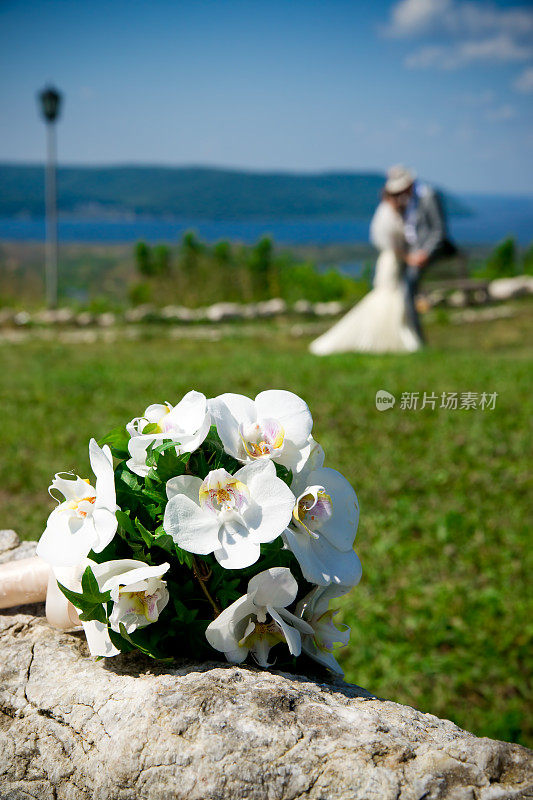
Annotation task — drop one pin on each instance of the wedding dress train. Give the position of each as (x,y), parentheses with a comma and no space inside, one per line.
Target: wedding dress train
(379,323)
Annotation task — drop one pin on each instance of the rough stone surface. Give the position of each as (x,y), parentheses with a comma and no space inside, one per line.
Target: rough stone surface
(11,548)
(72,728)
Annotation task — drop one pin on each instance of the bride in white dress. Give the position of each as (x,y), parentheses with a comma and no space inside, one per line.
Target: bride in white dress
(379,323)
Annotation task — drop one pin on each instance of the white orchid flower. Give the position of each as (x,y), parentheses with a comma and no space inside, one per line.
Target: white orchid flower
(187,424)
(86,519)
(228,515)
(314,609)
(138,594)
(276,425)
(323,527)
(259,620)
(312,457)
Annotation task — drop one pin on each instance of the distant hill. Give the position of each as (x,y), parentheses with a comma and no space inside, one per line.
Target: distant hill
(199,193)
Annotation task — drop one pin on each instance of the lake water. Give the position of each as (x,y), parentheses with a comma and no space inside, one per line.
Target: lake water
(492,220)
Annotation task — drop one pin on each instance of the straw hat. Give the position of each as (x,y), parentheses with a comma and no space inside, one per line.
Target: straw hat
(399,178)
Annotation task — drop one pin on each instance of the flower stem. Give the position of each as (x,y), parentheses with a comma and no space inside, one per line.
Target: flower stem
(202,579)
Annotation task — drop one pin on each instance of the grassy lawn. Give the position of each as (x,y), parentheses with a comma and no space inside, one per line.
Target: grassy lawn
(442,618)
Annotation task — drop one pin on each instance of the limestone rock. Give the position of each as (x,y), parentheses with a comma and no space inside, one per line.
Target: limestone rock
(507,288)
(11,548)
(72,728)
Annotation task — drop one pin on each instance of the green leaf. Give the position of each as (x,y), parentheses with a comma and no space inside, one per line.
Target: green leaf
(151,653)
(166,445)
(153,510)
(90,588)
(125,522)
(213,436)
(123,474)
(89,584)
(75,598)
(151,427)
(96,612)
(118,438)
(120,643)
(184,614)
(145,533)
(169,465)
(283,473)
(165,542)
(87,603)
(154,495)
(212,455)
(183,556)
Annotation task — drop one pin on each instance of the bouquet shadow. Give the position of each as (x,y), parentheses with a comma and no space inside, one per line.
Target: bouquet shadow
(306,672)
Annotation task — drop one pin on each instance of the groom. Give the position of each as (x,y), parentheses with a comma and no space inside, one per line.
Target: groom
(425,230)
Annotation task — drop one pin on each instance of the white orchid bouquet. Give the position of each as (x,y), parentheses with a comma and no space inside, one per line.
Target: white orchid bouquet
(211,524)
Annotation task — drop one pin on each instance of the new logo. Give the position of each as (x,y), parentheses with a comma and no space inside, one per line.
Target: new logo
(384,400)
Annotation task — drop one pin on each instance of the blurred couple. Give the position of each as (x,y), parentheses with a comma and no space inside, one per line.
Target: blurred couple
(409,230)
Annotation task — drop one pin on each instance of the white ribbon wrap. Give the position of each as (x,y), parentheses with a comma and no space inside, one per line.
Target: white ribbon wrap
(32,580)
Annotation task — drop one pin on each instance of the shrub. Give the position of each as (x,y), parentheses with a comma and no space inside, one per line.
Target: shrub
(140,293)
(502,262)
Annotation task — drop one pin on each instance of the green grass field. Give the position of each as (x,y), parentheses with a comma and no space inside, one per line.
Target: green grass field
(442,618)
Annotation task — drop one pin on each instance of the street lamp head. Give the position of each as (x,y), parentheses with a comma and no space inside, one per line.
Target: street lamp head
(50,102)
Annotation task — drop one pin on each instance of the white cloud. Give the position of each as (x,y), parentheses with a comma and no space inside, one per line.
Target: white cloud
(410,17)
(430,56)
(472,99)
(497,49)
(524,82)
(501,113)
(458,17)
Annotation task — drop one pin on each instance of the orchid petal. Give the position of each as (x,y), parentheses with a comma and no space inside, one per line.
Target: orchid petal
(192,528)
(60,546)
(102,466)
(290,410)
(236,550)
(71,489)
(273,587)
(291,635)
(98,639)
(105,525)
(318,599)
(193,441)
(222,633)
(137,446)
(236,656)
(326,659)
(189,485)
(296,622)
(291,455)
(108,569)
(190,413)
(127,573)
(271,495)
(261,650)
(312,457)
(228,412)
(320,562)
(155,412)
(341,527)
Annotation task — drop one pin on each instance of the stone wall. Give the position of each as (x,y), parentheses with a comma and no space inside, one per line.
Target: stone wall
(72,728)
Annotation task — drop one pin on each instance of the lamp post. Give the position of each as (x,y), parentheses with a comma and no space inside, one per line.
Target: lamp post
(50,100)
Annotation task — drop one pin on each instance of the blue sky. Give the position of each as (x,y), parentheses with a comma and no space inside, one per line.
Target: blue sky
(445,86)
